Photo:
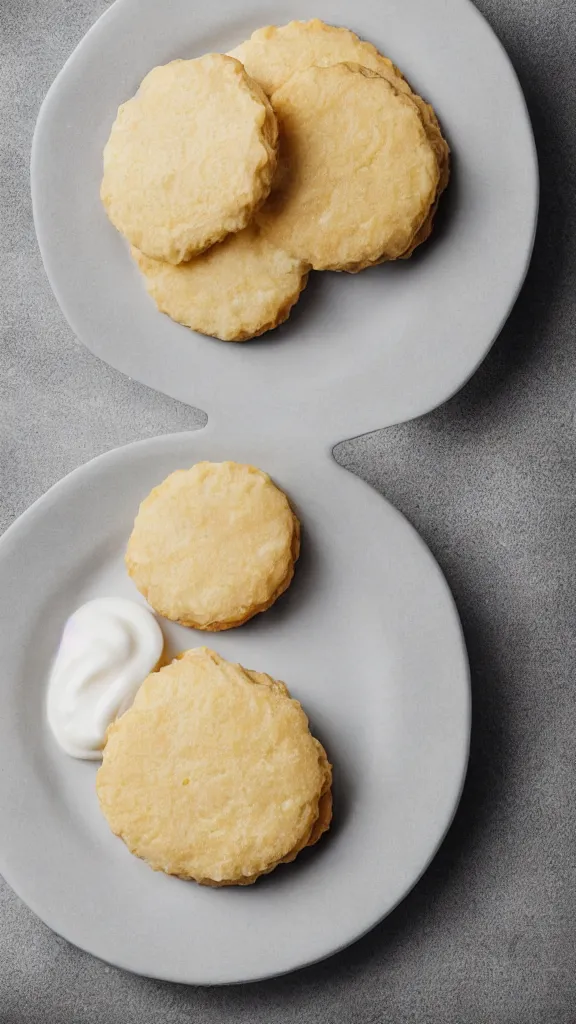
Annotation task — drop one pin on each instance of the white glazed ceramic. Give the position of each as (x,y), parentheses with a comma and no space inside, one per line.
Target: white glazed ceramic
(360,351)
(367,637)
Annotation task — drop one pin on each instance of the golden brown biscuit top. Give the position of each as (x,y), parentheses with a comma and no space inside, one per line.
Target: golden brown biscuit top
(189,158)
(236,290)
(360,173)
(274,53)
(213,773)
(213,544)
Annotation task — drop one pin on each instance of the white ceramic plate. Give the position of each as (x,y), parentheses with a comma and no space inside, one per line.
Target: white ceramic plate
(367,637)
(360,351)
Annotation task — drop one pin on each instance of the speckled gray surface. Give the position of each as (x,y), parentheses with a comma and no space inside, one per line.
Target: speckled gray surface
(488,935)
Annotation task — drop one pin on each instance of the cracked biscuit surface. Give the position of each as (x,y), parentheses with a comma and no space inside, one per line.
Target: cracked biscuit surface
(189,158)
(213,774)
(213,545)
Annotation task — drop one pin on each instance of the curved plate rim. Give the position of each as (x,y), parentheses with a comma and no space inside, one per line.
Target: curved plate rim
(338,419)
(14,536)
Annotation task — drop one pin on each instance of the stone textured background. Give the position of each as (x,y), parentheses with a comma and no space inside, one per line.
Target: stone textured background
(488,935)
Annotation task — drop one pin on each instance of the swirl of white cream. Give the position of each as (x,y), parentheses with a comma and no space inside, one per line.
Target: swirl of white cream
(108,647)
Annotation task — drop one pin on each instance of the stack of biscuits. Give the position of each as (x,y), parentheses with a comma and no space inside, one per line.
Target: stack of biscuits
(233,176)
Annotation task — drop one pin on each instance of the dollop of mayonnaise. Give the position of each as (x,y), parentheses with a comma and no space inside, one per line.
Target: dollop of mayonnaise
(108,648)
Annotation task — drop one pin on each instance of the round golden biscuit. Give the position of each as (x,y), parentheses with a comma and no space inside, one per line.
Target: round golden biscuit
(190,157)
(359,174)
(213,545)
(213,774)
(236,290)
(273,54)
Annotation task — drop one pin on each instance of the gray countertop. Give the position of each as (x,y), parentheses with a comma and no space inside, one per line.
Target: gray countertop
(488,935)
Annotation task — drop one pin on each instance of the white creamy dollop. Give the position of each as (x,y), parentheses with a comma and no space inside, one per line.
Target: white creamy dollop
(108,648)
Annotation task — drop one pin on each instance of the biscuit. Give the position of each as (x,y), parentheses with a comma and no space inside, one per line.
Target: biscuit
(236,290)
(213,774)
(190,157)
(273,54)
(213,545)
(360,176)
